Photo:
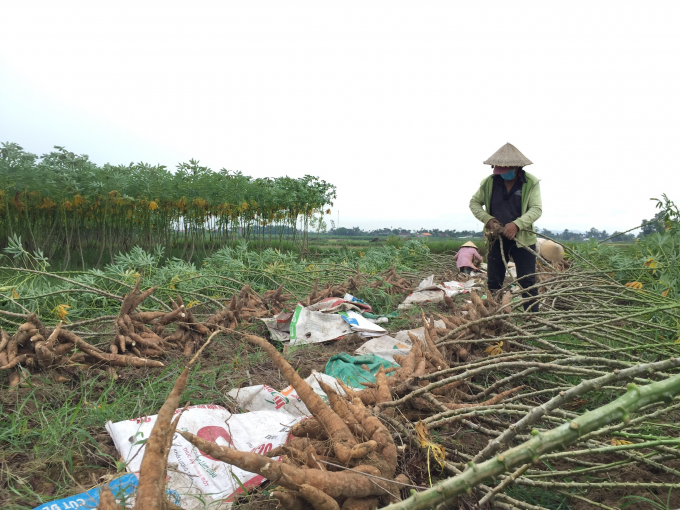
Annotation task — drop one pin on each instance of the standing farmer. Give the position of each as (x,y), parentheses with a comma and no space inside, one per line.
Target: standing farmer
(508,202)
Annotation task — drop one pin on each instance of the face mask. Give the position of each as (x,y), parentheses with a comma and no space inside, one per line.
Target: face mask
(508,176)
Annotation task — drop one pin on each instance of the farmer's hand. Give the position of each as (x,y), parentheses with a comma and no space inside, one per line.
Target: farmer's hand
(493,225)
(510,230)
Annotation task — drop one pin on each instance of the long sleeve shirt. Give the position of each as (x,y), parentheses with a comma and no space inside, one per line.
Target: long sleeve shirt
(466,257)
(531,207)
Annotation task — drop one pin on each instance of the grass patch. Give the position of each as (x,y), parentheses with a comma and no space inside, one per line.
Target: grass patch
(537,496)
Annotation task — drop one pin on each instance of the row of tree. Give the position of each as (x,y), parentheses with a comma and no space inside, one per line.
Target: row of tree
(565,235)
(356,231)
(592,234)
(62,204)
(648,227)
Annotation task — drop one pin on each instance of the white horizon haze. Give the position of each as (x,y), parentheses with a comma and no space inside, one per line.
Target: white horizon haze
(396,103)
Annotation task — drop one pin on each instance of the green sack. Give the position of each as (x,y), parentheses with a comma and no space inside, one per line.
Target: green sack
(348,368)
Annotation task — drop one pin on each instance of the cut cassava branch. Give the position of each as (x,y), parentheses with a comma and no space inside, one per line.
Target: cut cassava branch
(544,442)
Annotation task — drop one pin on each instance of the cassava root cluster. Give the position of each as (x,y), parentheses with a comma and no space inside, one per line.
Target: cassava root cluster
(344,433)
(137,335)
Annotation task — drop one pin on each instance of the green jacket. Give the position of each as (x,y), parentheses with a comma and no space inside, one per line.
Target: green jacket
(532,208)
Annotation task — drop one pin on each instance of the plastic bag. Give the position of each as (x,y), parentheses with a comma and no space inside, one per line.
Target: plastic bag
(192,475)
(362,325)
(262,397)
(122,488)
(308,326)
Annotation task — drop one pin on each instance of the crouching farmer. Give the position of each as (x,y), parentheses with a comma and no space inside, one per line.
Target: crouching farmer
(466,256)
(508,202)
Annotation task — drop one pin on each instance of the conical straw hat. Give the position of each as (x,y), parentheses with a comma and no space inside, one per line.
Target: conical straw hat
(469,243)
(508,155)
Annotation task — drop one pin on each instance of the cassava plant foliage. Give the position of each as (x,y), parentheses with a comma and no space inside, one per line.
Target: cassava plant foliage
(29,282)
(652,263)
(62,203)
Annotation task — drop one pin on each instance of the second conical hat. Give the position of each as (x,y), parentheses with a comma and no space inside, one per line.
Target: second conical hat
(508,155)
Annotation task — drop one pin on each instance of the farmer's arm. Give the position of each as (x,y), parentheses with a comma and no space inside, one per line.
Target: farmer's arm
(477,206)
(534,209)
(477,256)
(455,257)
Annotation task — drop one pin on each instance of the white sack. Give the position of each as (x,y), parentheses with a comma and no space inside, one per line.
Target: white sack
(308,327)
(263,397)
(450,288)
(386,347)
(362,325)
(428,292)
(279,326)
(419,333)
(275,332)
(420,297)
(360,303)
(427,283)
(194,476)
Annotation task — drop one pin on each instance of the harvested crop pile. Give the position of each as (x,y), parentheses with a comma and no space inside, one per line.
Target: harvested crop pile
(327,291)
(274,300)
(464,320)
(131,329)
(393,283)
(345,433)
(529,372)
(137,335)
(426,360)
(36,347)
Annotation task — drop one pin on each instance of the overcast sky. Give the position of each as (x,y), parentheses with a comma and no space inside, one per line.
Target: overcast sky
(397,103)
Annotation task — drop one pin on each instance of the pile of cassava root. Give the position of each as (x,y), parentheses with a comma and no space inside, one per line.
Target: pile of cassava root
(390,282)
(344,456)
(137,335)
(313,472)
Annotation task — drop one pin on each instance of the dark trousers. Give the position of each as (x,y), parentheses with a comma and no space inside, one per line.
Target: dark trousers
(525,263)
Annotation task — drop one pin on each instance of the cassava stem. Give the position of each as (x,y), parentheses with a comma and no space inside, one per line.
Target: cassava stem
(545,442)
